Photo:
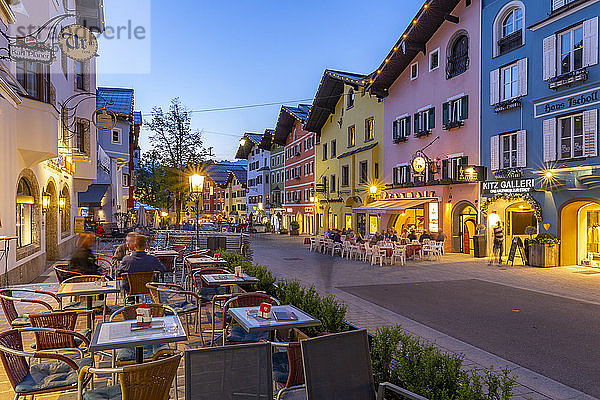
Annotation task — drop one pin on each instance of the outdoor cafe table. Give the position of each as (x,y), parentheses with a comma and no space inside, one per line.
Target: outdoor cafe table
(227,279)
(87,290)
(248,319)
(412,249)
(118,335)
(169,253)
(196,262)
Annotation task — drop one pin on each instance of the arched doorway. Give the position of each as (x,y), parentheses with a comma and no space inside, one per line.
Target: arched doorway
(51,228)
(579,221)
(300,222)
(464,222)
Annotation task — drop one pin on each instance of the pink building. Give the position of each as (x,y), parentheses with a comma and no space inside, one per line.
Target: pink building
(430,82)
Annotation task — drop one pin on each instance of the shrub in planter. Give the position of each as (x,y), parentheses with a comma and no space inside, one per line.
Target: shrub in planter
(283,231)
(295,226)
(543,250)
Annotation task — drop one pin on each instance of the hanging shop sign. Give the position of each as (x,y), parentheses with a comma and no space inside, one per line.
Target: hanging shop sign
(419,164)
(568,103)
(104,119)
(509,186)
(78,42)
(471,173)
(32,52)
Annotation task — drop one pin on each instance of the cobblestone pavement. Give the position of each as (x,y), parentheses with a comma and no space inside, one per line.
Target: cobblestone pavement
(288,257)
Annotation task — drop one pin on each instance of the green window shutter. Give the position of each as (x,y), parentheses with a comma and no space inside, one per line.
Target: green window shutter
(395,129)
(444,169)
(431,114)
(464,107)
(464,160)
(416,117)
(407,125)
(446,113)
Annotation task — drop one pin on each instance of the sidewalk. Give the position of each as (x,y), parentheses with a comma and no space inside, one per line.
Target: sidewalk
(335,275)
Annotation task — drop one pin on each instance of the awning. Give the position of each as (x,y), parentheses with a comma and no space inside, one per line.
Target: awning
(396,206)
(92,197)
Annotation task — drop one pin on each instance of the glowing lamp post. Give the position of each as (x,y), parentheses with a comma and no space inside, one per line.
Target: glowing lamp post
(196,185)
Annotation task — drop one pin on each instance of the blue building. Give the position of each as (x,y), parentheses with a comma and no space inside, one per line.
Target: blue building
(539,128)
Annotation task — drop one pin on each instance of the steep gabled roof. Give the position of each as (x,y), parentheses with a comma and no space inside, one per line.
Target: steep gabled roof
(241,174)
(218,172)
(118,100)
(267,140)
(288,116)
(422,27)
(330,90)
(250,140)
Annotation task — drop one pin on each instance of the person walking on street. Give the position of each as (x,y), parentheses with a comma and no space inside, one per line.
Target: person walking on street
(83,260)
(498,243)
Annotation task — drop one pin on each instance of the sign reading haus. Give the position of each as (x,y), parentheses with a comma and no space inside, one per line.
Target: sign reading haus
(509,186)
(568,103)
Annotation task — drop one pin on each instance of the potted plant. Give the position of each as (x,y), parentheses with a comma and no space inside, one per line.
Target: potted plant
(283,231)
(530,231)
(295,226)
(543,250)
(479,245)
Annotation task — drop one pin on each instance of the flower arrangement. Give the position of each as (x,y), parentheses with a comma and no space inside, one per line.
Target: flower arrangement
(545,238)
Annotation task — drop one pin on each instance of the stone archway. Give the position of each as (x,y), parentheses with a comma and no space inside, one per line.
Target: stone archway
(51,227)
(36,217)
(573,224)
(464,222)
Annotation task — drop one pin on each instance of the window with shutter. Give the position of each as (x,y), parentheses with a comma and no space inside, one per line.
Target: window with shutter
(416,123)
(556,4)
(464,107)
(446,113)
(549,140)
(522,76)
(590,130)
(549,57)
(431,115)
(445,174)
(590,42)
(495,153)
(494,87)
(522,149)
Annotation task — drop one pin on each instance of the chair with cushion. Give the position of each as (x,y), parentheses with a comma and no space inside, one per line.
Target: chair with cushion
(8,298)
(233,372)
(80,303)
(64,321)
(235,334)
(148,381)
(61,269)
(287,365)
(137,284)
(126,356)
(185,303)
(57,373)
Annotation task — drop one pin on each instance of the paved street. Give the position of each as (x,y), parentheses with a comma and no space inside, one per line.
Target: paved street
(542,323)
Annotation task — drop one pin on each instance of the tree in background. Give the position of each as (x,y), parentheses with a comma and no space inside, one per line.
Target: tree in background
(176,152)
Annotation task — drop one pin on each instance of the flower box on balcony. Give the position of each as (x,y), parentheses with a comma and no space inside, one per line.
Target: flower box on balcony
(579,75)
(508,105)
(423,133)
(453,124)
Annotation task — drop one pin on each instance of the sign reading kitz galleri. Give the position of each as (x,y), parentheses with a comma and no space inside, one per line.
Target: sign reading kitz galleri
(508,186)
(567,103)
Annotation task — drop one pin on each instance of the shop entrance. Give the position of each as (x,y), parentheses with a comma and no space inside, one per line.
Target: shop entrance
(51,229)
(467,223)
(412,219)
(300,223)
(580,233)
(361,224)
(518,217)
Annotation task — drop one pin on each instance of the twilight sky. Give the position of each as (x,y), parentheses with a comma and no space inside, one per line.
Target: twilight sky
(215,54)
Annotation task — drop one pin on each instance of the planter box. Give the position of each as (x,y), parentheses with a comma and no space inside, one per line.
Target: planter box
(295,233)
(543,255)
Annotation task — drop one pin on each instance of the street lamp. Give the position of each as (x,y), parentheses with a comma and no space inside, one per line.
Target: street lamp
(45,201)
(196,185)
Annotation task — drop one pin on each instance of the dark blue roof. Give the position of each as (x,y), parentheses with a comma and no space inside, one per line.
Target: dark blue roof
(349,153)
(241,174)
(137,118)
(346,76)
(254,137)
(220,171)
(300,112)
(118,100)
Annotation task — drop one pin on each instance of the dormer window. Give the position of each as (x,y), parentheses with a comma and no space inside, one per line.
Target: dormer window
(509,28)
(350,99)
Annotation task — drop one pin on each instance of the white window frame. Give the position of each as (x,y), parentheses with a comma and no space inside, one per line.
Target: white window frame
(572,50)
(497,28)
(414,67)
(126,178)
(112,137)
(505,17)
(512,141)
(403,125)
(559,137)
(514,80)
(431,53)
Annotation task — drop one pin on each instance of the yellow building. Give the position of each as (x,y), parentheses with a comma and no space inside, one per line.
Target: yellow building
(349,154)
(235,196)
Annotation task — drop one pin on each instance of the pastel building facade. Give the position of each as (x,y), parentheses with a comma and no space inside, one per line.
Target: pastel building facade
(298,175)
(258,186)
(349,124)
(540,96)
(430,82)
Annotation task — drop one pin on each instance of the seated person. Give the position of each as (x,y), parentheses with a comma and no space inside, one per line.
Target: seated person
(139,261)
(359,238)
(393,236)
(441,237)
(124,249)
(83,260)
(424,235)
(412,236)
(336,237)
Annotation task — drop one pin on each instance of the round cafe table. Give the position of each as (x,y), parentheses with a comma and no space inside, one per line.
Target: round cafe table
(388,251)
(306,240)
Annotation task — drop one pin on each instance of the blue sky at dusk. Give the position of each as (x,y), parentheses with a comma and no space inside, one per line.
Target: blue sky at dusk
(228,53)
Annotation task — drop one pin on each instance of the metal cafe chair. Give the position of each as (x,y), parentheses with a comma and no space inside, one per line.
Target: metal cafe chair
(8,300)
(148,381)
(330,360)
(235,334)
(242,371)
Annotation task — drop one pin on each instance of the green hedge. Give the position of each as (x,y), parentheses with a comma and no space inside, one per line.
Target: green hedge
(422,368)
(330,311)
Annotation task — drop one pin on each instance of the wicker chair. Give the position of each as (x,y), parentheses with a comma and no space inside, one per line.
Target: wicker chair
(61,269)
(80,303)
(61,321)
(186,303)
(187,270)
(152,380)
(7,300)
(236,334)
(126,356)
(287,365)
(137,283)
(29,379)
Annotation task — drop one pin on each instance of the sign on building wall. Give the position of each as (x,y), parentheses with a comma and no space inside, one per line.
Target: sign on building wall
(567,103)
(78,42)
(509,186)
(32,52)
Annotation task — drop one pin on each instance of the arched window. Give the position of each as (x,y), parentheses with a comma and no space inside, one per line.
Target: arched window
(350,101)
(509,28)
(25,202)
(458,58)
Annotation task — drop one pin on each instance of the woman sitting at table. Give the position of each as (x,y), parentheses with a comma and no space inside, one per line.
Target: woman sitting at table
(359,238)
(83,260)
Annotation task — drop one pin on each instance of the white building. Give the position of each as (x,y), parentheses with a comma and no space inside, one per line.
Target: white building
(258,185)
(48,145)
